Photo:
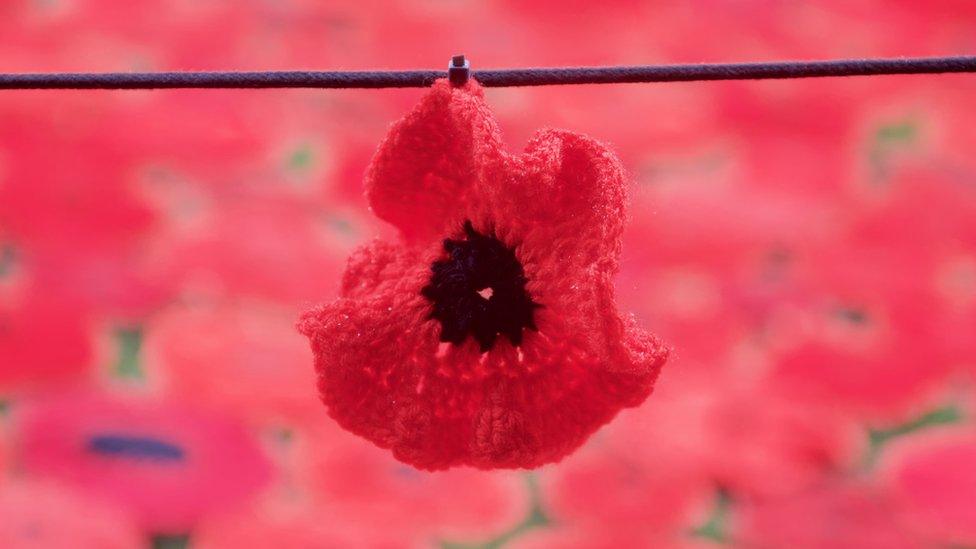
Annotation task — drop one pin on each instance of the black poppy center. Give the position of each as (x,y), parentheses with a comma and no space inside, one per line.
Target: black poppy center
(122,445)
(479,290)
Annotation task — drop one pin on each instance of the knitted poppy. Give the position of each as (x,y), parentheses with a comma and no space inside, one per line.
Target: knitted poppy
(488,335)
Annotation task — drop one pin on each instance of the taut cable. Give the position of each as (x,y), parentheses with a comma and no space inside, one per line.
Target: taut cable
(491,77)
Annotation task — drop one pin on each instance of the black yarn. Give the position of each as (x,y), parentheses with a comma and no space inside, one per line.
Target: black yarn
(493,78)
(460,285)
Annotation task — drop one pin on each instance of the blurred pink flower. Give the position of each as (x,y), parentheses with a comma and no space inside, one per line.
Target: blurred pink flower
(43,342)
(213,140)
(71,210)
(933,476)
(548,21)
(713,263)
(297,526)
(653,474)
(834,515)
(42,515)
(122,285)
(758,442)
(364,485)
(261,246)
(872,337)
(626,494)
(251,363)
(5,450)
(563,536)
(61,193)
(165,464)
(941,237)
(724,430)
(766,122)
(879,381)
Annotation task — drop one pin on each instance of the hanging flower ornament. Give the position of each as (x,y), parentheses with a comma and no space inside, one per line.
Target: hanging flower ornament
(488,336)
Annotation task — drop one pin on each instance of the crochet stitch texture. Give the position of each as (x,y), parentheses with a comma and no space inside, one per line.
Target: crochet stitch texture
(417,357)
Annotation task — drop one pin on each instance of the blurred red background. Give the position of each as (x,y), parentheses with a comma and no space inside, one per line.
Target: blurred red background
(807,247)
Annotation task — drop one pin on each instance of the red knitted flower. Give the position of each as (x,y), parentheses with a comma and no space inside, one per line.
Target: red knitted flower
(488,336)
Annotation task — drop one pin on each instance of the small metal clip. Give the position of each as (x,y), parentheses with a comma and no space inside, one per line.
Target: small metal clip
(458,71)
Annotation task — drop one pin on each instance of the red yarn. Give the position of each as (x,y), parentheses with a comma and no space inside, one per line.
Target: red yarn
(384,374)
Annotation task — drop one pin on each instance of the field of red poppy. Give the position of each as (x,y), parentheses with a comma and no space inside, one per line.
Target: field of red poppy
(806,248)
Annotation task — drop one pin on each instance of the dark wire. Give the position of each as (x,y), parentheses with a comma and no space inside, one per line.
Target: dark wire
(492,78)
